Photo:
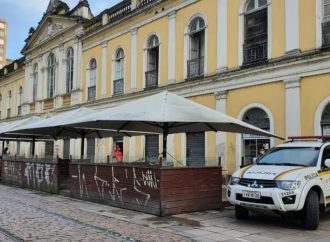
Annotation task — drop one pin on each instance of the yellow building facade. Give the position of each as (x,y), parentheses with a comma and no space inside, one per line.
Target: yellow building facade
(264,62)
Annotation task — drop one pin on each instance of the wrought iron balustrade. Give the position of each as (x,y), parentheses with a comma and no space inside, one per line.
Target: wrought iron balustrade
(118,86)
(119,10)
(195,67)
(253,53)
(326,34)
(145,2)
(91,92)
(151,78)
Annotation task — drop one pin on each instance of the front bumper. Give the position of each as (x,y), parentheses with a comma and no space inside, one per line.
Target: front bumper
(271,198)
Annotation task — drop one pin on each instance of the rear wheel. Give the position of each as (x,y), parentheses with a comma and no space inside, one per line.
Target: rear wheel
(311,211)
(241,212)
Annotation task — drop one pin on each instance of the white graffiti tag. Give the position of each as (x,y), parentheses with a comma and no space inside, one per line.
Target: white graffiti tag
(149,179)
(136,184)
(116,192)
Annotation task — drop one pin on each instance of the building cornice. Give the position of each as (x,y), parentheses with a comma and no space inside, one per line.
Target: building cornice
(136,26)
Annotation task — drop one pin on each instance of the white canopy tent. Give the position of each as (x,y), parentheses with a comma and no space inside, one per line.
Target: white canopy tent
(166,113)
(56,127)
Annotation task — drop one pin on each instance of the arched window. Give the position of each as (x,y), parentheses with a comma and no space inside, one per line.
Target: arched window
(151,74)
(69,70)
(326,23)
(20,100)
(51,75)
(92,79)
(35,82)
(196,47)
(118,83)
(255,48)
(325,121)
(9,105)
(253,144)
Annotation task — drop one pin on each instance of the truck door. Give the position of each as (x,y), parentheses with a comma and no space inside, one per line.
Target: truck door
(325,174)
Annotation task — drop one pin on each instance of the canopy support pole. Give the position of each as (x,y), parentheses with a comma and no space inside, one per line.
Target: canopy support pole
(33,146)
(3,147)
(82,148)
(165,133)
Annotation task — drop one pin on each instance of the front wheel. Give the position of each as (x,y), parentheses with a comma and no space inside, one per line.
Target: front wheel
(311,211)
(241,212)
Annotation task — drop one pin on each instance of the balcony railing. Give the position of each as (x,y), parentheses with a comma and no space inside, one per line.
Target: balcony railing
(326,34)
(19,110)
(119,10)
(151,78)
(118,86)
(254,53)
(145,2)
(91,92)
(195,67)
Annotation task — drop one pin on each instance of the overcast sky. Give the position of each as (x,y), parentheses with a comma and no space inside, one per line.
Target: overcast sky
(23,14)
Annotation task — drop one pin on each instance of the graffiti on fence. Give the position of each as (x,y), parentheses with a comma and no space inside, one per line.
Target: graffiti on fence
(116,184)
(39,176)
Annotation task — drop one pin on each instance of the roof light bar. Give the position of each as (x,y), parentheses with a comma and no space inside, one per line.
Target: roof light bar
(318,137)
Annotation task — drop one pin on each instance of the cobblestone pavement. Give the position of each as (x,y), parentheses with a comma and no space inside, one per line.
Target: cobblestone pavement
(32,216)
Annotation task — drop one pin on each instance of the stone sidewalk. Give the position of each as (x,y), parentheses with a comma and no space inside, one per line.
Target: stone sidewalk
(32,216)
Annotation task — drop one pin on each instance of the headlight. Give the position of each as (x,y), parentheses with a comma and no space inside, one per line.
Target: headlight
(288,185)
(234,180)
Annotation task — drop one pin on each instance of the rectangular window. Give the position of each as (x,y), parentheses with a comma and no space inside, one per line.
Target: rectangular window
(66,149)
(195,149)
(118,149)
(91,149)
(49,149)
(2,34)
(152,149)
(1,50)
(256,37)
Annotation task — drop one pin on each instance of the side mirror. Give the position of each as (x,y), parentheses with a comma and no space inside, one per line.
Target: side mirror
(327,163)
(255,159)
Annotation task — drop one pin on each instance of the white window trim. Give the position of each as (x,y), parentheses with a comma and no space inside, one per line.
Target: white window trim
(239,140)
(73,67)
(318,116)
(319,21)
(113,74)
(55,73)
(145,58)
(241,21)
(88,84)
(186,48)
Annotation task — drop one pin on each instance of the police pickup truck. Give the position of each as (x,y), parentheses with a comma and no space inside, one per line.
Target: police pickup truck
(291,177)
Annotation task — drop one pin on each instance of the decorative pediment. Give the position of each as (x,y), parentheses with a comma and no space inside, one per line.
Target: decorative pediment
(52,30)
(48,28)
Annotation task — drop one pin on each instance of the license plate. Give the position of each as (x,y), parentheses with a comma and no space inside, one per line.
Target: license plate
(251,194)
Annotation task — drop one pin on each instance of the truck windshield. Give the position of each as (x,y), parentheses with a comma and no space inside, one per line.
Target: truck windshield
(291,156)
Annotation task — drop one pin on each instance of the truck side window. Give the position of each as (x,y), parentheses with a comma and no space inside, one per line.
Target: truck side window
(325,155)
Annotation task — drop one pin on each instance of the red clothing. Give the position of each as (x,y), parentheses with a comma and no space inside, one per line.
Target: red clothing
(119,156)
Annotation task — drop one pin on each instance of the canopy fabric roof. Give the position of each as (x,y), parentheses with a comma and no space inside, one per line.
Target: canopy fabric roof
(6,128)
(166,113)
(55,127)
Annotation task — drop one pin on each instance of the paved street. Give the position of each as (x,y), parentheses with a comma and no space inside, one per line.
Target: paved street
(32,216)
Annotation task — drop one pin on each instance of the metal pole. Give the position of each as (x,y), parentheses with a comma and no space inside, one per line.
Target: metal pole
(3,147)
(33,146)
(165,133)
(82,148)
